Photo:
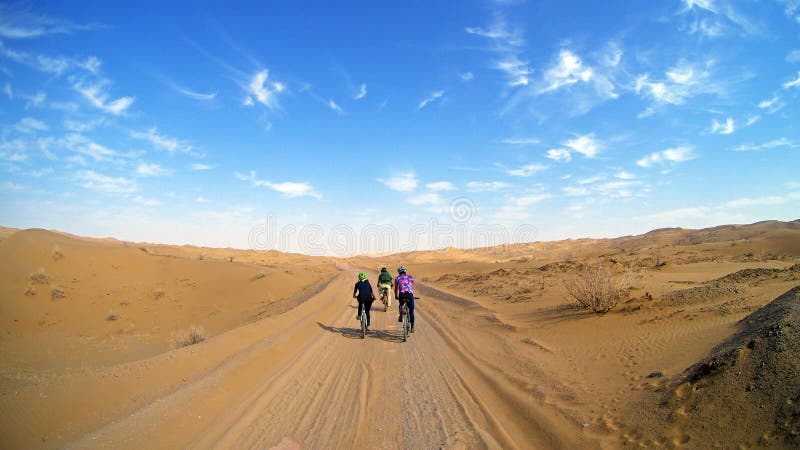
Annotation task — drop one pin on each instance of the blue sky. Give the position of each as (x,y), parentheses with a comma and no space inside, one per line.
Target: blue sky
(193,123)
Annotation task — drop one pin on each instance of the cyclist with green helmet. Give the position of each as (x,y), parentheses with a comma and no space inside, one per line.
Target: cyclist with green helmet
(362,291)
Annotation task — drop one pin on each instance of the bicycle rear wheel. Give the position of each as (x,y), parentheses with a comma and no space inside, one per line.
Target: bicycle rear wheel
(363,325)
(405,326)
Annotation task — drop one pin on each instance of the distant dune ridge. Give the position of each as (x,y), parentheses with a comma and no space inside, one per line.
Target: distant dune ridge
(128,345)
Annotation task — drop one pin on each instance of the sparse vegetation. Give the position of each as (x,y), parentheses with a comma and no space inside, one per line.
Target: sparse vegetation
(158,293)
(56,293)
(112,316)
(230,258)
(194,335)
(259,276)
(124,302)
(39,276)
(598,288)
(30,290)
(57,253)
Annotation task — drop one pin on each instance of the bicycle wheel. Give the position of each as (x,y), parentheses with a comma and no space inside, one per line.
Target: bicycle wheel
(363,325)
(405,326)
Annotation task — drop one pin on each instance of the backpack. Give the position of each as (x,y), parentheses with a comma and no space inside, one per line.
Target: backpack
(384,277)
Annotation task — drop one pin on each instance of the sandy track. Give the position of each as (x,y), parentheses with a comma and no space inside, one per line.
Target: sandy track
(310,380)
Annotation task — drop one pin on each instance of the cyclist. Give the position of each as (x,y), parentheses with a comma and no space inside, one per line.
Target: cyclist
(385,286)
(404,293)
(362,291)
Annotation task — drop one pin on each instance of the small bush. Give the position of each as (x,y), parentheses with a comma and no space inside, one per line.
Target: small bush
(598,288)
(259,276)
(30,290)
(158,293)
(124,303)
(39,276)
(111,316)
(194,335)
(57,293)
(57,253)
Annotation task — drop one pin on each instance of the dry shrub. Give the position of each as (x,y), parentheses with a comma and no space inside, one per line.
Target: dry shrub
(194,335)
(112,316)
(57,293)
(57,253)
(30,290)
(39,276)
(259,276)
(598,288)
(158,293)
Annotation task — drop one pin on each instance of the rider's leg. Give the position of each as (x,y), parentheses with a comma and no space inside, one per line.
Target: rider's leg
(358,315)
(367,307)
(400,309)
(411,311)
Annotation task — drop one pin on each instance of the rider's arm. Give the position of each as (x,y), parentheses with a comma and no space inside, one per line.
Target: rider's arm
(355,289)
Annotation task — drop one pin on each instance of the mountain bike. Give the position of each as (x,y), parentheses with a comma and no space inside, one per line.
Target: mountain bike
(384,293)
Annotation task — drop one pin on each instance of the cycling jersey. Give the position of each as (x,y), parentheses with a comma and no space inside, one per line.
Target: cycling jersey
(405,284)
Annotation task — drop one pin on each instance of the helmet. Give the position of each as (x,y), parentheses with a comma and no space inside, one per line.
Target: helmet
(362,276)
(401,269)
(383,269)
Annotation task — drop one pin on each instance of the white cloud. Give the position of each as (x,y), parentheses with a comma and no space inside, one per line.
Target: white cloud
(428,198)
(585,145)
(200,166)
(576,191)
(403,182)
(362,92)
(18,22)
(96,95)
(766,104)
(592,179)
(516,71)
(722,128)
(520,141)
(198,95)
(433,97)
(9,186)
(674,215)
(486,186)
(162,142)
(201,199)
(527,170)
(703,4)
(775,143)
(499,32)
(567,70)
(518,208)
(30,125)
(332,105)
(793,56)
(261,91)
(681,82)
(670,155)
(152,170)
(752,120)
(104,183)
(559,154)
(793,83)
(290,189)
(81,126)
(85,146)
(623,175)
(441,186)
(466,76)
(763,201)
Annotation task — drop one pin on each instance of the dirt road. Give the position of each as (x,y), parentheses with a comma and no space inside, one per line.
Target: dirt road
(307,379)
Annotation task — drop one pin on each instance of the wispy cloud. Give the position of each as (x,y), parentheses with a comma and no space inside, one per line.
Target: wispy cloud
(403,182)
(520,141)
(290,189)
(431,98)
(427,198)
(486,186)
(559,154)
(747,202)
(85,146)
(152,170)
(200,166)
(586,145)
(714,19)
(466,76)
(440,186)
(669,156)
(527,170)
(97,96)
(680,83)
(519,208)
(262,91)
(104,183)
(567,69)
(623,175)
(362,92)
(30,125)
(161,141)
(726,127)
(18,22)
(333,106)
(792,83)
(769,145)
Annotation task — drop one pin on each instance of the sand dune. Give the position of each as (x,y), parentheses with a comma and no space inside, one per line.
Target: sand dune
(93,350)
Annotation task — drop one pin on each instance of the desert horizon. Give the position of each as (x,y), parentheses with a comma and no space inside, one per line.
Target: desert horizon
(128,345)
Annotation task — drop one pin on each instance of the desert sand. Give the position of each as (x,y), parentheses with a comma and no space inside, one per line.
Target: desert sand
(109,344)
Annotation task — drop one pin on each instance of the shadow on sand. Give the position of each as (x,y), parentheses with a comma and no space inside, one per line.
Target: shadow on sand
(355,333)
